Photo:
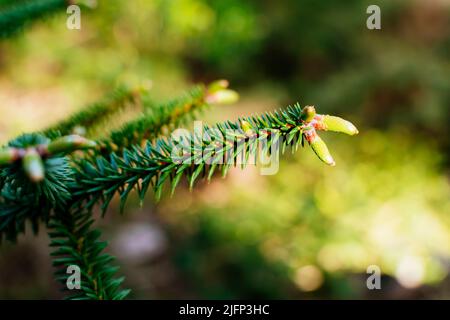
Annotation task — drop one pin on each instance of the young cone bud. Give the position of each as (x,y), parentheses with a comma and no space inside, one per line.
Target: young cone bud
(223,96)
(218,85)
(33,166)
(321,150)
(70,143)
(79,130)
(246,127)
(8,156)
(337,124)
(308,113)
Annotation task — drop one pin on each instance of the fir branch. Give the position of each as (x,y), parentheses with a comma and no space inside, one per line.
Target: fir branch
(141,167)
(91,115)
(150,124)
(34,179)
(76,243)
(17,14)
(165,117)
(38,183)
(6,3)
(22,199)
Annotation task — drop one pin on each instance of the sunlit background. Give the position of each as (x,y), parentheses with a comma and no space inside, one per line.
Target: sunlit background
(310,231)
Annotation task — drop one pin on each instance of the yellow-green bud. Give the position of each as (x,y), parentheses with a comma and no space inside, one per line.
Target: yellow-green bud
(321,150)
(144,86)
(218,85)
(8,156)
(223,96)
(308,113)
(79,130)
(338,124)
(33,165)
(246,127)
(70,143)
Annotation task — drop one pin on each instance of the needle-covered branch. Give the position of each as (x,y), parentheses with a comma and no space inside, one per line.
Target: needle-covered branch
(14,15)
(198,154)
(34,178)
(76,243)
(166,116)
(81,122)
(51,177)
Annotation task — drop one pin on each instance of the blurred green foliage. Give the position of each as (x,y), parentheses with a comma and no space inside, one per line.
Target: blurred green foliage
(310,227)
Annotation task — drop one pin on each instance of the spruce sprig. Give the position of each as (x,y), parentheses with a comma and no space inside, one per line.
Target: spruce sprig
(76,243)
(225,145)
(72,233)
(83,120)
(165,117)
(15,15)
(41,180)
(33,184)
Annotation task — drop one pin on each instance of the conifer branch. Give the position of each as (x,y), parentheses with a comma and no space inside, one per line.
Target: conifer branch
(151,123)
(165,117)
(34,178)
(15,15)
(77,244)
(90,116)
(141,167)
(225,145)
(39,181)
(34,187)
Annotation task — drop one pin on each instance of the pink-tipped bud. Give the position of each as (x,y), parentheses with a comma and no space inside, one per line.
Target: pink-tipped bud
(337,124)
(218,85)
(224,96)
(319,147)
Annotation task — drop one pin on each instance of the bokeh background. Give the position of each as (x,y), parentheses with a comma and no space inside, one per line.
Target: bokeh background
(310,231)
